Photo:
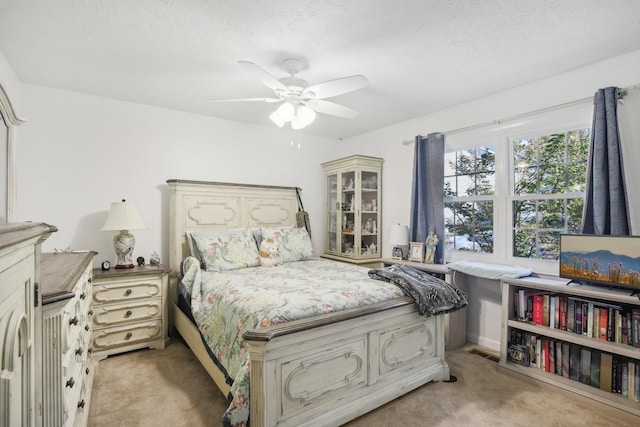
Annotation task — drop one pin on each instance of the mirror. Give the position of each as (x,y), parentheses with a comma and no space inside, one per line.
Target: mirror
(8,121)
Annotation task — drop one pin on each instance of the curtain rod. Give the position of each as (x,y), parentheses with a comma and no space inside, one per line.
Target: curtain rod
(623,93)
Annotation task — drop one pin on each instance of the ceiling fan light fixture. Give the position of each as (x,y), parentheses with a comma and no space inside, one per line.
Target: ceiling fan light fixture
(283,114)
(304,116)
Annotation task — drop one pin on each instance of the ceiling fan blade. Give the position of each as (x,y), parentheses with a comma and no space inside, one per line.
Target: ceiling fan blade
(335,87)
(270,100)
(264,77)
(331,108)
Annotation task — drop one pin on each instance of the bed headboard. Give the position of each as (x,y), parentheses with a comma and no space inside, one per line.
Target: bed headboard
(201,205)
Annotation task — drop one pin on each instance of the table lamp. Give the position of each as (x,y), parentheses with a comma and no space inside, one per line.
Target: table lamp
(399,238)
(123,216)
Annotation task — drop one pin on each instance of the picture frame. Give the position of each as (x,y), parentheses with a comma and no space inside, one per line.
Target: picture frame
(396,253)
(416,251)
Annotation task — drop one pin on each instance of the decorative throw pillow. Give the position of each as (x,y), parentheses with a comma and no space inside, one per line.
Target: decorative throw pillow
(294,243)
(269,253)
(226,250)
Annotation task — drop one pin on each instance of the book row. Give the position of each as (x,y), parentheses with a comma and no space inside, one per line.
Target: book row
(608,372)
(592,318)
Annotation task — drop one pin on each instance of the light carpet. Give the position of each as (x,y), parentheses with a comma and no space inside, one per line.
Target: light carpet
(168,387)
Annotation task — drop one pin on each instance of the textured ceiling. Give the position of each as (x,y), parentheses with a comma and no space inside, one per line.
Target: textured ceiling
(419,55)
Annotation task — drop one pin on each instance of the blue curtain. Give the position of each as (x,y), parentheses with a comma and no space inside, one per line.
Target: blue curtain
(605,207)
(427,205)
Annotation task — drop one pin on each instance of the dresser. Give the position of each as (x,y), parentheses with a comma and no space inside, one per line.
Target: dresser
(67,365)
(19,331)
(130,309)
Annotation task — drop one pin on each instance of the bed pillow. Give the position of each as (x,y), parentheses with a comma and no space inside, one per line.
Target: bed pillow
(294,243)
(225,250)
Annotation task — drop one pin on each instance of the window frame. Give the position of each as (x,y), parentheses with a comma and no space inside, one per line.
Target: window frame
(501,135)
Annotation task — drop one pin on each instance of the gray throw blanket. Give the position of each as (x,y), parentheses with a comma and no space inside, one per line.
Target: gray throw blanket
(432,295)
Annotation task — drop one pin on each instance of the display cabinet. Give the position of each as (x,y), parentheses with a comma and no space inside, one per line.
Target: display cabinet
(353,209)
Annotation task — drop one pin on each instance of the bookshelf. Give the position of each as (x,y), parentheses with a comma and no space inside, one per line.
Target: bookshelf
(511,325)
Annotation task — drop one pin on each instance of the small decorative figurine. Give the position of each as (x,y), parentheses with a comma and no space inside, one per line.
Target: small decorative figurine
(154,259)
(140,260)
(430,244)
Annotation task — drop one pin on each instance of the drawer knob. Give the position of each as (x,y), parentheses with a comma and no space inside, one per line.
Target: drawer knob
(73,321)
(78,351)
(90,313)
(70,382)
(83,295)
(128,292)
(90,280)
(90,350)
(81,404)
(86,327)
(128,336)
(128,313)
(86,371)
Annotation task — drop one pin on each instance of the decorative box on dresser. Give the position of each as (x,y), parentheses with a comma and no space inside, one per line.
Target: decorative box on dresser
(353,205)
(130,309)
(513,327)
(67,365)
(20,246)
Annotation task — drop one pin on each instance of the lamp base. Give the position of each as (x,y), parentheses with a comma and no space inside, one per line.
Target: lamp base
(124,244)
(124,266)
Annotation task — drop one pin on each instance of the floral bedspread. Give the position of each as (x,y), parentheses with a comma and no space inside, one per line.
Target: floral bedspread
(226,304)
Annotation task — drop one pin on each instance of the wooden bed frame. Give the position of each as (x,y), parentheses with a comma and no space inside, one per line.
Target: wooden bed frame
(325,370)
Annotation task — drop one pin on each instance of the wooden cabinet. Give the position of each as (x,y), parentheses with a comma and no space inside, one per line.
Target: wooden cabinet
(19,332)
(129,309)
(512,327)
(67,365)
(353,209)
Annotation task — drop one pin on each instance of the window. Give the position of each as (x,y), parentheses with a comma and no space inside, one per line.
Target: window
(469,188)
(549,174)
(513,188)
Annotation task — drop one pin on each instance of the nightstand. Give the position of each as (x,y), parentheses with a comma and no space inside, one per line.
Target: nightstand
(130,309)
(455,323)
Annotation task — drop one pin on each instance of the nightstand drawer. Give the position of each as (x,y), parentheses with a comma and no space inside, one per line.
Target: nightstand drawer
(126,291)
(113,314)
(120,336)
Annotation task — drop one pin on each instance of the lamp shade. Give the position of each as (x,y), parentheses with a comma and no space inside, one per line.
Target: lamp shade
(399,235)
(123,216)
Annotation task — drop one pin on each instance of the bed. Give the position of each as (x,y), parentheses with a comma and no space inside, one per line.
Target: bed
(322,370)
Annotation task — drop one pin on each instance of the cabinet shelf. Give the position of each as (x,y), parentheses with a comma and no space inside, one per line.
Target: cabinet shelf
(559,287)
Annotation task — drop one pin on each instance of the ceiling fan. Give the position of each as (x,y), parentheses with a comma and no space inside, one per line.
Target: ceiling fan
(300,102)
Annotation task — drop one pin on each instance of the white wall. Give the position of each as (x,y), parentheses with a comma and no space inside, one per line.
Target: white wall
(483,317)
(77,153)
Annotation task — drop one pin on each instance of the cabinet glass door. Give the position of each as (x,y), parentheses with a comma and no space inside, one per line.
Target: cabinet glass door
(349,224)
(333,208)
(369,213)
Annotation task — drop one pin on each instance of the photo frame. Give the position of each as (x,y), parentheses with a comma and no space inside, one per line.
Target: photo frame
(396,253)
(416,251)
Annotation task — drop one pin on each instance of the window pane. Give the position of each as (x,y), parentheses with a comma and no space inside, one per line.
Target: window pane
(574,215)
(551,213)
(548,245)
(553,179)
(469,226)
(526,181)
(524,214)
(524,243)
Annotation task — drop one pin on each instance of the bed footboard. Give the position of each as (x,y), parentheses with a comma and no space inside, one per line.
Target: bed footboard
(337,372)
